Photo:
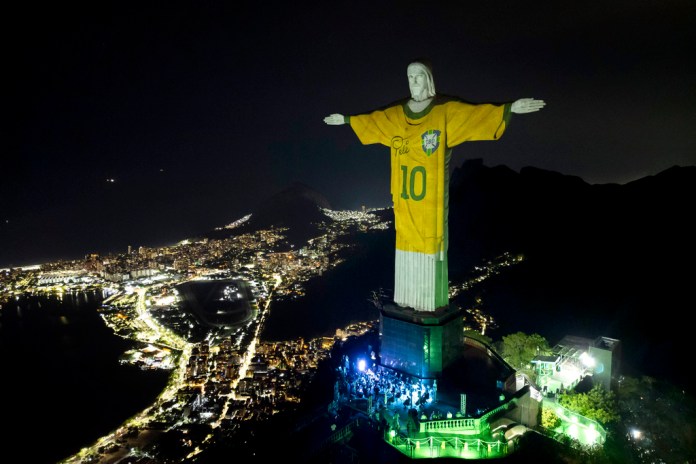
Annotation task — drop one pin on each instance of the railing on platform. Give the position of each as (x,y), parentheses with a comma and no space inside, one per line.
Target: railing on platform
(454,424)
(448,446)
(462,424)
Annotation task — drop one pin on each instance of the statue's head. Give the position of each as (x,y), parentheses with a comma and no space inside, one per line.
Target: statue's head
(420,80)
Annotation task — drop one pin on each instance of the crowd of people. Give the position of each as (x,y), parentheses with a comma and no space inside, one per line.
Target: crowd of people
(384,388)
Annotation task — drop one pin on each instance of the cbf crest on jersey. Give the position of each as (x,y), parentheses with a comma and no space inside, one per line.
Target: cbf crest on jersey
(430,140)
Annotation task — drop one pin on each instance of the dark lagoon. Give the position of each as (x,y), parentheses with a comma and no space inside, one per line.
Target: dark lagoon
(62,384)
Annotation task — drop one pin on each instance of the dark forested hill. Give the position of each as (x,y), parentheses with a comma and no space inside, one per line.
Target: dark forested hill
(612,260)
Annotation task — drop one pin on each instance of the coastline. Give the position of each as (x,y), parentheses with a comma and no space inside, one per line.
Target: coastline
(58,342)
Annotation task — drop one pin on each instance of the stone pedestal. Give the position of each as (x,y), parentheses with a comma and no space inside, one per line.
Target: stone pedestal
(420,343)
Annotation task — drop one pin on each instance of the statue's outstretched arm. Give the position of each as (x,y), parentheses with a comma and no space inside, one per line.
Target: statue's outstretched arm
(527,105)
(335,119)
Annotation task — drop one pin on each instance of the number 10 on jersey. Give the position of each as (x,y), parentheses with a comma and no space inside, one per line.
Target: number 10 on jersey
(413,183)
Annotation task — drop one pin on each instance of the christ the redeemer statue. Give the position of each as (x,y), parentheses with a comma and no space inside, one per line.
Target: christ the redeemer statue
(421,131)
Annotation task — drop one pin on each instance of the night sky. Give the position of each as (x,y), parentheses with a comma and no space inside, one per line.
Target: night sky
(142,123)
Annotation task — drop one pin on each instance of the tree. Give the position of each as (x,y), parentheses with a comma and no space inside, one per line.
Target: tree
(597,404)
(549,419)
(658,416)
(519,349)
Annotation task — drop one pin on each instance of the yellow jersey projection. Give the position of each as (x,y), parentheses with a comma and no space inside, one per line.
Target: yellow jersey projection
(420,147)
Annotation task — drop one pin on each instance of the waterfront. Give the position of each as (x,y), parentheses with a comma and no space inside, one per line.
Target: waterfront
(340,296)
(126,314)
(63,384)
(64,362)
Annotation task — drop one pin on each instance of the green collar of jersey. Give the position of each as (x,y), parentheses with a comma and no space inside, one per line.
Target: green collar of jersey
(420,114)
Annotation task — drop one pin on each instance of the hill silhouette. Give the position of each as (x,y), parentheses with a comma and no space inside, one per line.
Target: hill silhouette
(297,208)
(612,260)
(546,212)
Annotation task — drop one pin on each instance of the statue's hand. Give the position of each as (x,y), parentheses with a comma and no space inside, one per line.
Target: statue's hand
(335,119)
(527,105)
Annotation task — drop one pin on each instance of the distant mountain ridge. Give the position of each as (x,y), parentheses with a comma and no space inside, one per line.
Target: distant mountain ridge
(297,208)
(496,208)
